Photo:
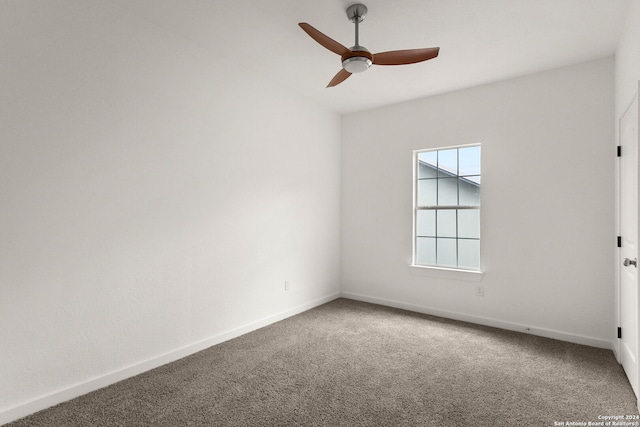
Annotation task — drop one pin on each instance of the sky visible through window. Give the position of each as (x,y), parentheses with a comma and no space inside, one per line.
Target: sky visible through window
(457,162)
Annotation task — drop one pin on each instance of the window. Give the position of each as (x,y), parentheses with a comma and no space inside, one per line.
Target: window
(447,208)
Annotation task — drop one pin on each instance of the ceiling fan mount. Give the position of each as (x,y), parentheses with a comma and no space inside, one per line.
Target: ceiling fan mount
(357,12)
(357,58)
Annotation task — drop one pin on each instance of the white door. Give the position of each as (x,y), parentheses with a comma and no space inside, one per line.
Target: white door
(628,285)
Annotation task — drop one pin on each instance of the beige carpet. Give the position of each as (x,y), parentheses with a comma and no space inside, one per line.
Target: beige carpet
(349,363)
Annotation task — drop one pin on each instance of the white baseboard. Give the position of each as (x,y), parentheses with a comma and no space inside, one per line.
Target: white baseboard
(616,352)
(113,377)
(485,321)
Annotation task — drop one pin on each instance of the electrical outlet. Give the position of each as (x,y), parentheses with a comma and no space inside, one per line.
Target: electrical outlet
(287,285)
(480,291)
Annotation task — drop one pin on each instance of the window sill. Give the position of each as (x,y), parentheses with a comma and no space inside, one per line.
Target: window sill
(447,273)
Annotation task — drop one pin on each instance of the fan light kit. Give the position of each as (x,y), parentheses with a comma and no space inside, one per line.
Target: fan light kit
(358,59)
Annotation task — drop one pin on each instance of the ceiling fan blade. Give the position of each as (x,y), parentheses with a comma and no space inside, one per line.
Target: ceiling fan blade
(401,57)
(339,78)
(324,40)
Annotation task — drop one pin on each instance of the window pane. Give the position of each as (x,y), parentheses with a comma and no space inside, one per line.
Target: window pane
(469,253)
(426,171)
(446,250)
(425,251)
(447,191)
(447,223)
(448,162)
(469,161)
(469,223)
(469,192)
(447,232)
(427,192)
(475,179)
(427,164)
(426,223)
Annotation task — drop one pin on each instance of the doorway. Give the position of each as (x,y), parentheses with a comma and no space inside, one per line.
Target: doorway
(628,242)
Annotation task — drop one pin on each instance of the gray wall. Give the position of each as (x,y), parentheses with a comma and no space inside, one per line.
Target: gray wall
(155,198)
(547,203)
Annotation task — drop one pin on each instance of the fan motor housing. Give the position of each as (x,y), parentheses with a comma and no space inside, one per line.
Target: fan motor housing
(358,59)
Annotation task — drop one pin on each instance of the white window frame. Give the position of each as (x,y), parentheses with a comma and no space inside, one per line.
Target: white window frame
(435,270)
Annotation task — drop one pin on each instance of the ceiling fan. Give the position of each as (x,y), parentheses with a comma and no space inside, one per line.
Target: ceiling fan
(357,58)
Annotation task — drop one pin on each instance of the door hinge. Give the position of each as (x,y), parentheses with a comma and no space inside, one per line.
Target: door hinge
(619,150)
(619,241)
(619,332)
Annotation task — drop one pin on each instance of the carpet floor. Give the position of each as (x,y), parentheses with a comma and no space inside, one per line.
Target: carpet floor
(348,363)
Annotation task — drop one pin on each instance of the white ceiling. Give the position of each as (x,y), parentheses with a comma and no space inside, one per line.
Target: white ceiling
(480,40)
